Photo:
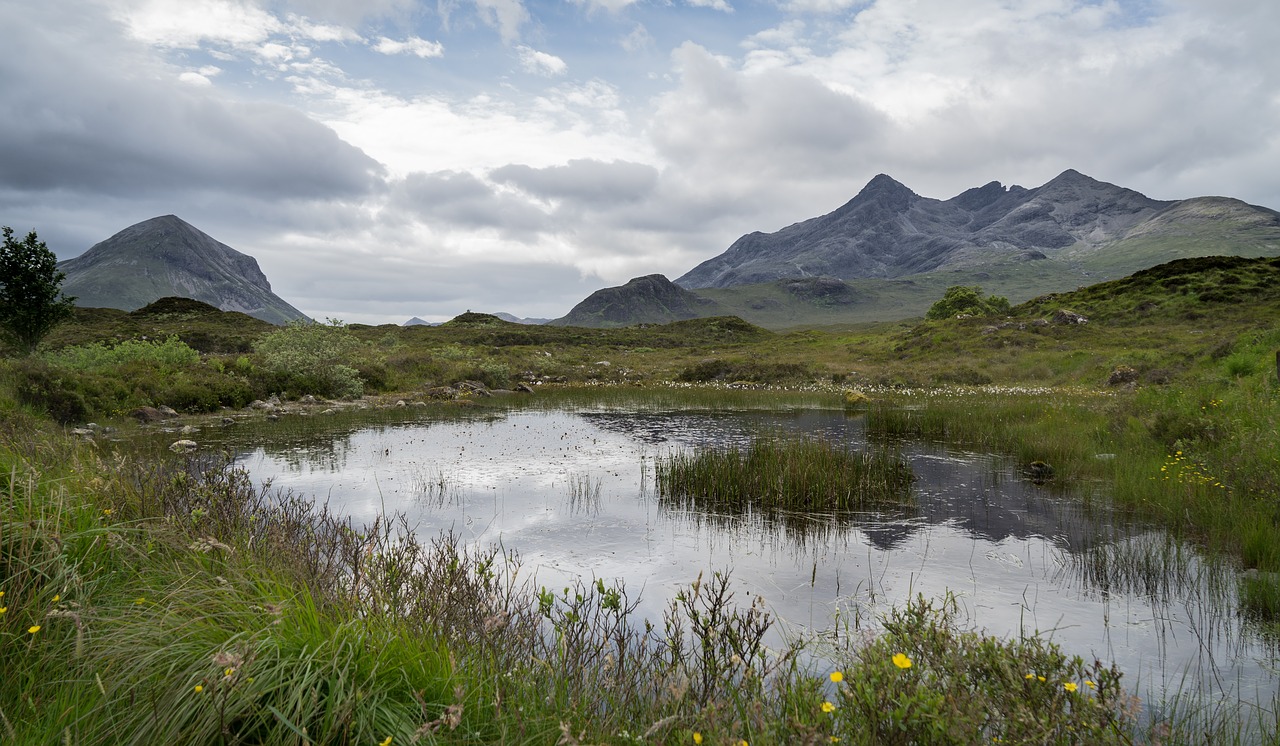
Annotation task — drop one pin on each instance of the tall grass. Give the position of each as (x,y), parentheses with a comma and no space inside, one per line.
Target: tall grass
(775,472)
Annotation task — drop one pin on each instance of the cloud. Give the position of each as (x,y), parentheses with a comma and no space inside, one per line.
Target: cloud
(460,200)
(719,5)
(412,45)
(507,16)
(137,134)
(541,63)
(584,180)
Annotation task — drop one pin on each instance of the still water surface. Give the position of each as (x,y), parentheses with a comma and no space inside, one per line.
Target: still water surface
(572,491)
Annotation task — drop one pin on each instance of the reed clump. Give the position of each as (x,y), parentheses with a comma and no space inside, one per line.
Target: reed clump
(799,473)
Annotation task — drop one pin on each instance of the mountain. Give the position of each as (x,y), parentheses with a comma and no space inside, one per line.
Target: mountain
(528,321)
(652,299)
(166,256)
(888,231)
(415,321)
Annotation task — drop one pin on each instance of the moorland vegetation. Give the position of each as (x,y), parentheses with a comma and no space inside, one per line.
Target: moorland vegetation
(147,598)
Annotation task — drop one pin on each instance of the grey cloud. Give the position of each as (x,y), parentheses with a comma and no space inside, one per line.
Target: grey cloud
(462,200)
(760,126)
(582,180)
(96,117)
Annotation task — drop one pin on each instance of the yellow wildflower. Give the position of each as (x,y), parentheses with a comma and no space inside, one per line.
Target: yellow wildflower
(901,660)
(228,672)
(386,742)
(1090,684)
(3,609)
(1029,676)
(33,629)
(837,676)
(1070,686)
(57,597)
(697,737)
(828,707)
(198,689)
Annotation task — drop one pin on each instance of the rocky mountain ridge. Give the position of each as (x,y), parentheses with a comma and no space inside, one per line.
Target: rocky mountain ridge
(888,231)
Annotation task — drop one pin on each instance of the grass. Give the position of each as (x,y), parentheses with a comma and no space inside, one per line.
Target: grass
(775,473)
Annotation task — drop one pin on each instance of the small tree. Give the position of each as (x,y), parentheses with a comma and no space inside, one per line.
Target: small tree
(960,299)
(31,299)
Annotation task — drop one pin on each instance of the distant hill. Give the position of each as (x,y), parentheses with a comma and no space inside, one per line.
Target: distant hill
(166,256)
(888,231)
(415,321)
(652,299)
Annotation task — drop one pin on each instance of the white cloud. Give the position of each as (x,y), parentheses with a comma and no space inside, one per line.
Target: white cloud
(507,16)
(719,5)
(821,6)
(412,45)
(541,63)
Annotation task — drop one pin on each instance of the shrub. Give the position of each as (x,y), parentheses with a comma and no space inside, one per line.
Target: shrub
(313,358)
(960,299)
(171,353)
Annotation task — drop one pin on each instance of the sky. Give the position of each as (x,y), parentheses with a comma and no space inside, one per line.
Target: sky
(384,159)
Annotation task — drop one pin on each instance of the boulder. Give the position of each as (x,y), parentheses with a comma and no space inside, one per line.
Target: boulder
(146,414)
(183,446)
(1063,316)
(1123,375)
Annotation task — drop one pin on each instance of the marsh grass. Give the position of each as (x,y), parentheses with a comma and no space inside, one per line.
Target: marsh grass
(584,493)
(783,472)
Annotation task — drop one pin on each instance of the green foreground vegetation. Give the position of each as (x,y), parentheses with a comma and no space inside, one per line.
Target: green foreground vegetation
(149,598)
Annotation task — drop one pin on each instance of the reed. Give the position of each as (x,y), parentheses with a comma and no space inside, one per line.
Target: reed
(796,473)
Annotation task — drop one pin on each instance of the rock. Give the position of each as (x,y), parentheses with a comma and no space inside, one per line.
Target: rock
(228,421)
(1105,456)
(259,404)
(473,387)
(189,429)
(1123,375)
(183,446)
(1040,472)
(1063,316)
(524,388)
(603,363)
(146,414)
(83,432)
(401,403)
(1040,323)
(273,417)
(167,412)
(93,426)
(308,399)
(330,410)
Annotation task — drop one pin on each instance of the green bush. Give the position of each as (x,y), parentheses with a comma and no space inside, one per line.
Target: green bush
(314,358)
(171,353)
(960,299)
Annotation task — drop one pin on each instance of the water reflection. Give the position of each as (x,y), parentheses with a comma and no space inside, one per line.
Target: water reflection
(571,491)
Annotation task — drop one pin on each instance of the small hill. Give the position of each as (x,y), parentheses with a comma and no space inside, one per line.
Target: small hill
(199,324)
(166,256)
(652,299)
(1184,288)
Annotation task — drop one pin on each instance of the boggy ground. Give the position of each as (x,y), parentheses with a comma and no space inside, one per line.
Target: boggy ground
(156,599)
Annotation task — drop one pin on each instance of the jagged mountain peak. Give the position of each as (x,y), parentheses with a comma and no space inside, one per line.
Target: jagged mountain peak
(888,231)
